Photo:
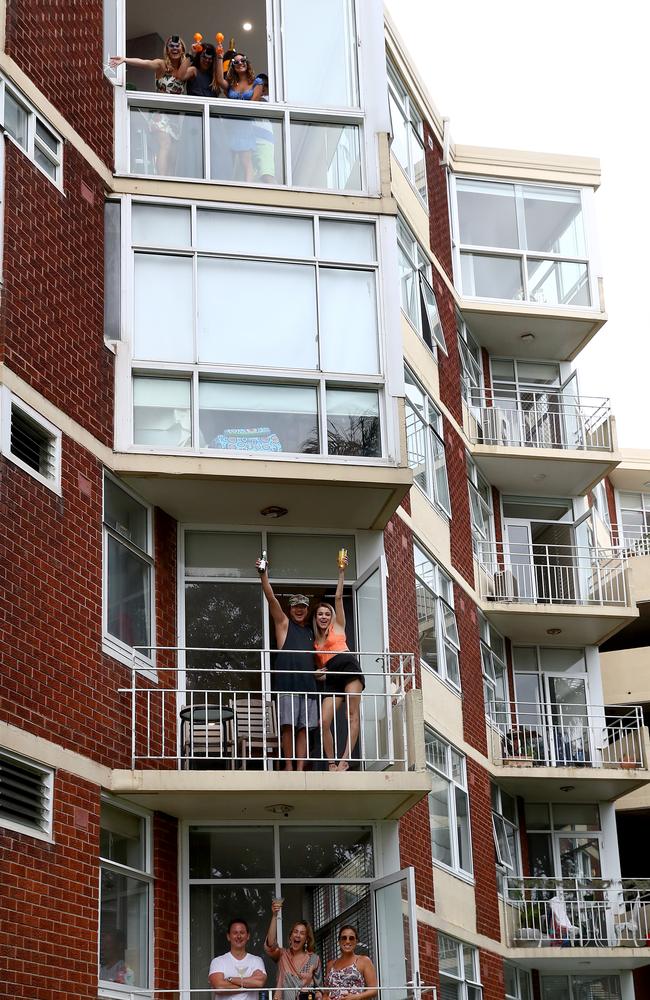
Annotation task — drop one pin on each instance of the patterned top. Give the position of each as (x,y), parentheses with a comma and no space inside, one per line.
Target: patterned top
(343,981)
(169,84)
(291,971)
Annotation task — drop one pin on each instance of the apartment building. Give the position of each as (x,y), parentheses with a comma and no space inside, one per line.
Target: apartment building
(295,326)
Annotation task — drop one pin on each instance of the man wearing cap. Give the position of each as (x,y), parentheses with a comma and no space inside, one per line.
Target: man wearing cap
(293,673)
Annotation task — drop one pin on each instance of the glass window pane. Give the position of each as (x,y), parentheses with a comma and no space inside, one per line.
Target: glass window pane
(45,163)
(224,616)
(440,472)
(439,819)
(558,282)
(491,277)
(525,658)
(452,665)
(409,289)
(400,142)
(309,557)
(325,156)
(540,855)
(46,137)
(112,270)
(554,223)
(250,150)
(560,660)
(426,608)
(537,816)
(122,836)
(161,226)
(352,242)
(240,852)
(124,930)
(277,326)
(222,553)
(449,624)
(129,596)
(487,214)
(581,817)
(166,143)
(345,296)
(555,987)
(416,444)
(210,910)
(163,309)
(237,416)
(327,852)
(320,36)
(433,332)
(448,956)
(125,515)
(353,423)
(249,232)
(436,751)
(15,120)
(161,412)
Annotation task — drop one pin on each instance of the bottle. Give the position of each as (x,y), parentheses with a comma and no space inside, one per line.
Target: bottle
(263,563)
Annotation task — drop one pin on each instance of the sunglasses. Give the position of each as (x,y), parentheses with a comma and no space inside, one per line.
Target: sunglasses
(239,62)
(207,55)
(348,937)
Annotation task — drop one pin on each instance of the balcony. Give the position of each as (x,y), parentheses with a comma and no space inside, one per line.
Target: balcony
(532,591)
(557,444)
(595,915)
(199,730)
(539,748)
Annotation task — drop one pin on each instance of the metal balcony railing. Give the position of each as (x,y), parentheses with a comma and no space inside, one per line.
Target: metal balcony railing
(528,573)
(632,541)
(225,141)
(569,735)
(579,912)
(219,707)
(407,991)
(540,418)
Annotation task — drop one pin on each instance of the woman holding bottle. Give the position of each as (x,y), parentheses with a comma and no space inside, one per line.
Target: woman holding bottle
(299,968)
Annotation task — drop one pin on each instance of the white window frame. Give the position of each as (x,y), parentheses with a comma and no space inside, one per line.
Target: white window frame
(414,129)
(9,402)
(522,976)
(47,774)
(600,503)
(522,253)
(111,645)
(642,543)
(447,640)
(33,143)
(454,786)
(556,833)
(428,427)
(461,981)
(426,303)
(509,864)
(145,876)
(476,479)
(489,639)
(471,369)
(316,377)
(570,977)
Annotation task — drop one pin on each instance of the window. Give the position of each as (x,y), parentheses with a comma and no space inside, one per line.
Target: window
(448,805)
(126,888)
(128,571)
(470,365)
(27,129)
(408,134)
(599,494)
(325,398)
(505,827)
(30,441)
(517,983)
(322,36)
(425,443)
(26,796)
(112,270)
(439,639)
(635,520)
(563,839)
(416,293)
(460,976)
(480,507)
(522,242)
(495,675)
(598,987)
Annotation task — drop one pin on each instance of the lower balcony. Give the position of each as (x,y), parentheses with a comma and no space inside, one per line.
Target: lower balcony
(556,922)
(532,591)
(225,727)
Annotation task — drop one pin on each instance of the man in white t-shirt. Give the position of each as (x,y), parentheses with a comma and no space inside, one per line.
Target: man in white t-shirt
(237,974)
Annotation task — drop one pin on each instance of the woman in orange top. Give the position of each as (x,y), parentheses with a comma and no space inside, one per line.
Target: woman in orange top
(339,671)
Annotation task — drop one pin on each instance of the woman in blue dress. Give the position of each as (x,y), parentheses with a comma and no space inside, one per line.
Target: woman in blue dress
(241,84)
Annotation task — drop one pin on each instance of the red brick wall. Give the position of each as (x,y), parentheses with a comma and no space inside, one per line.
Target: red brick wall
(402,611)
(611,504)
(166,915)
(487,907)
(492,976)
(52,321)
(438,202)
(59,45)
(49,901)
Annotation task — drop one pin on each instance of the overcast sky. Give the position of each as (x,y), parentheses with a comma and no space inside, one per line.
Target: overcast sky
(565,76)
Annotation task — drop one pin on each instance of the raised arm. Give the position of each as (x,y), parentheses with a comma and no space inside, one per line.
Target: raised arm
(218,71)
(338,596)
(271,946)
(280,620)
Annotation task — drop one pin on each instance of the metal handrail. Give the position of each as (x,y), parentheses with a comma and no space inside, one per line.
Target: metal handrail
(533,573)
(408,991)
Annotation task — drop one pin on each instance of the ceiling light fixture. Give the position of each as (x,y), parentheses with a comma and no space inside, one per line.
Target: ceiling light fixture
(528,336)
(280,809)
(247,26)
(273,511)
(567,788)
(553,631)
(647,484)
(539,477)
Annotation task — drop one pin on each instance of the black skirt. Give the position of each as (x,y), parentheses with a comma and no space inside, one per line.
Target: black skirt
(341,669)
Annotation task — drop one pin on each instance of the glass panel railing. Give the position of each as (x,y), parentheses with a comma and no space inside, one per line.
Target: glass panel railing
(166,143)
(250,150)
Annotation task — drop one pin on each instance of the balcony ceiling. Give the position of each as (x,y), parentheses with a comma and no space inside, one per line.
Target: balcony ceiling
(586,784)
(580,960)
(247,795)
(543,471)
(633,473)
(584,625)
(559,334)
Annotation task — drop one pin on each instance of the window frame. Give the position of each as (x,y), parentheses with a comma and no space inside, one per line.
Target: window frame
(454,787)
(319,377)
(33,142)
(521,976)
(444,643)
(8,402)
(461,981)
(522,253)
(475,478)
(144,876)
(642,542)
(47,774)
(421,274)
(471,368)
(501,823)
(112,645)
(555,833)
(413,122)
(570,977)
(489,656)
(430,426)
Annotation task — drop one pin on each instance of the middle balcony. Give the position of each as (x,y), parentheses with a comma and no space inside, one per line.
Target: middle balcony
(224,721)
(554,443)
(532,591)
